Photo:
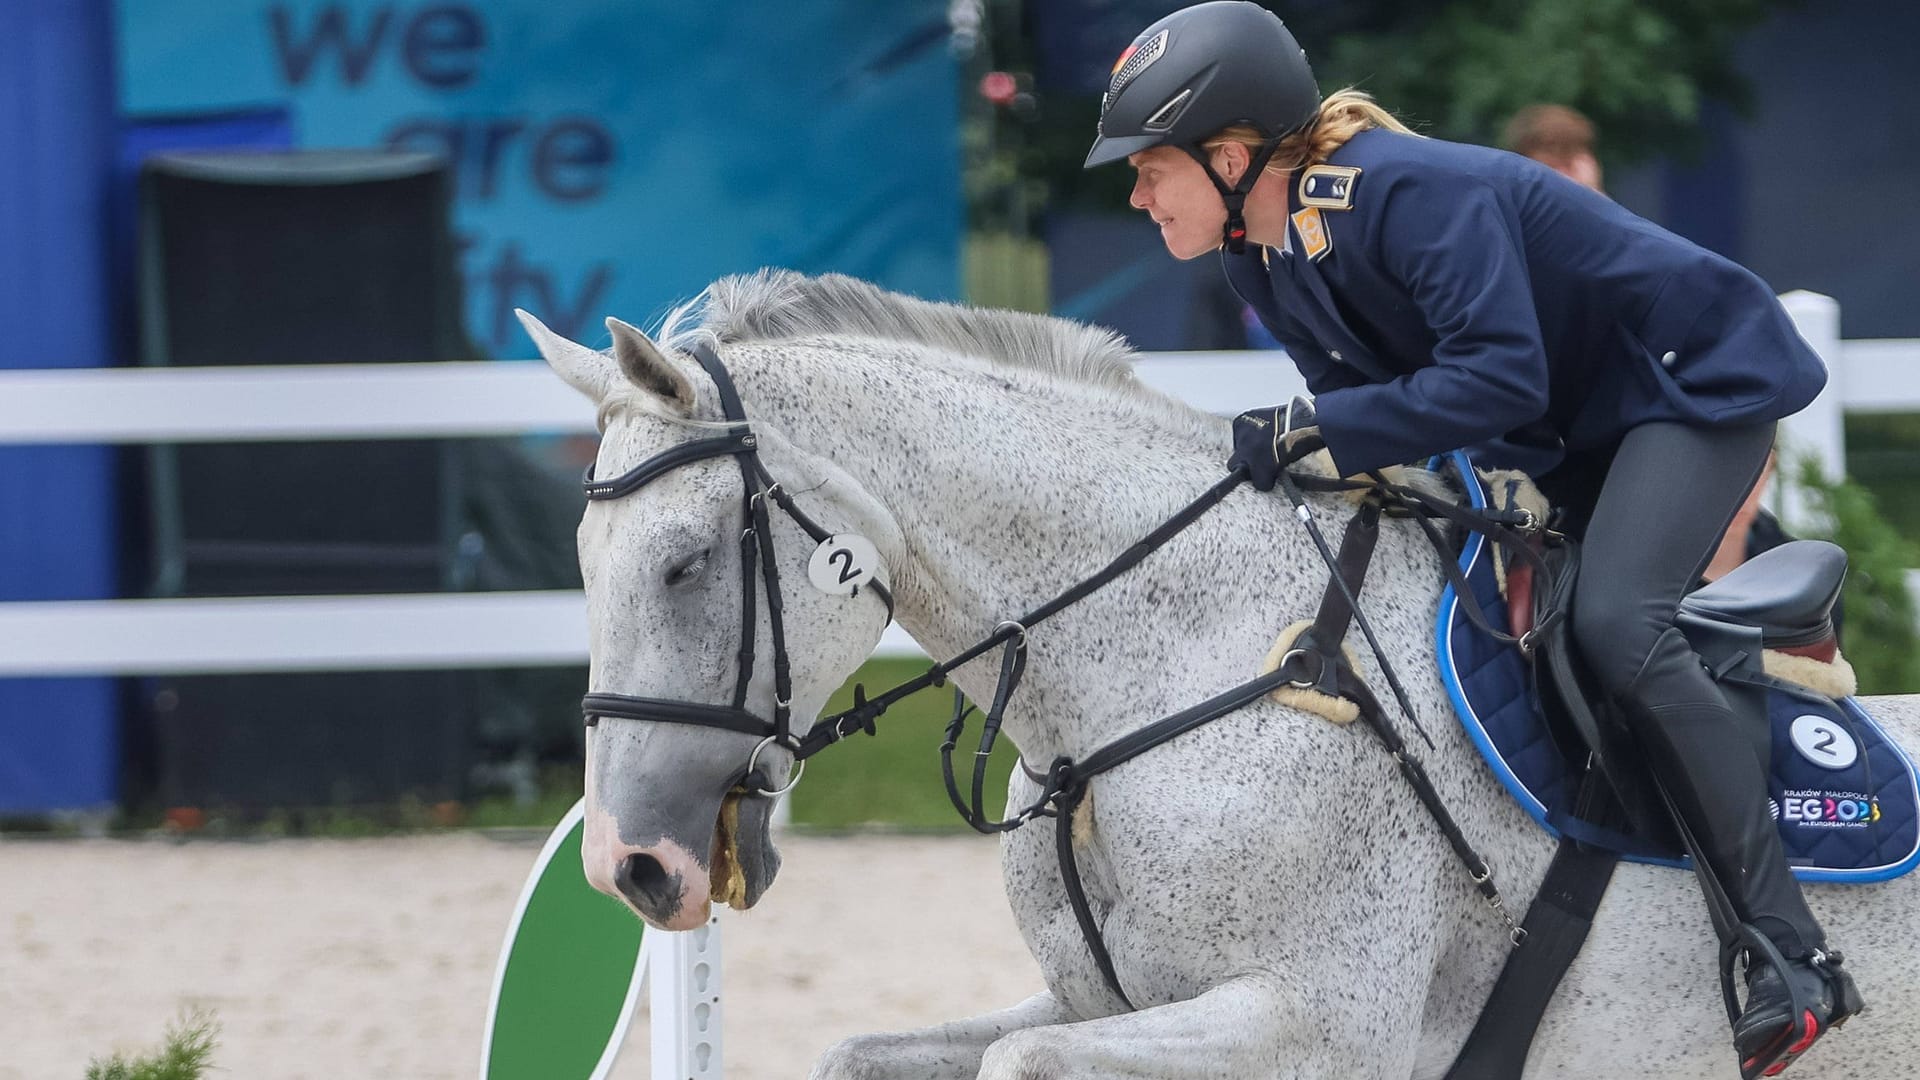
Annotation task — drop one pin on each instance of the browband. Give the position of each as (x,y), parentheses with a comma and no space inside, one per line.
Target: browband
(737,442)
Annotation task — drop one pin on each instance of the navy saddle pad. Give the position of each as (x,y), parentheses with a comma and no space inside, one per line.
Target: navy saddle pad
(1844,794)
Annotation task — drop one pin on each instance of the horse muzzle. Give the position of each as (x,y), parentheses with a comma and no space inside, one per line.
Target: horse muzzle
(669,886)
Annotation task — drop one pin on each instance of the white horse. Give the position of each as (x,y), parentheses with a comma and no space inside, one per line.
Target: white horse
(1275,899)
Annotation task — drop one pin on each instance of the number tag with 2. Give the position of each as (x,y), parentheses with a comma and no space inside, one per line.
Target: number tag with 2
(842,563)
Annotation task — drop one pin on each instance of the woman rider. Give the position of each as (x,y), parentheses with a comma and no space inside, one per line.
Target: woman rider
(1437,295)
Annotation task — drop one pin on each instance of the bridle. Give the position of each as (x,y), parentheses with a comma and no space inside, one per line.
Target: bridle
(756,547)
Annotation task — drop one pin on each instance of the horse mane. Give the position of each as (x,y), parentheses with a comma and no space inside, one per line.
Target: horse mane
(784,305)
(781,305)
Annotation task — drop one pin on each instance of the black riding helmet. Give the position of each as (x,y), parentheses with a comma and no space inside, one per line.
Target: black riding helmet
(1197,71)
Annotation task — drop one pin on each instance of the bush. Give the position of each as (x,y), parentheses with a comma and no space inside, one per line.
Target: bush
(1881,639)
(188,1053)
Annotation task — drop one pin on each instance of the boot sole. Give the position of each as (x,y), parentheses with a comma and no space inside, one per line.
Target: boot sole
(1773,1061)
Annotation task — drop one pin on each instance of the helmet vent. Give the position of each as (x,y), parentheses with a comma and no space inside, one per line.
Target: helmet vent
(1136,60)
(1168,113)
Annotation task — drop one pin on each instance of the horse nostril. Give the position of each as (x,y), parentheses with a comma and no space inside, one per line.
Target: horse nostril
(645,882)
(644,872)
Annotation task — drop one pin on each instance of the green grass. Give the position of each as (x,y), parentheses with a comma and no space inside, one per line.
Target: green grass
(560,787)
(890,780)
(187,1055)
(893,779)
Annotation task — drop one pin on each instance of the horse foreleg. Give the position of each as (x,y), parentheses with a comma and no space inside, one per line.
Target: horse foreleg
(1250,1026)
(951,1050)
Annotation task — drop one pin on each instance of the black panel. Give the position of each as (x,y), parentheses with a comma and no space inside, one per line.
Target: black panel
(255,742)
(301,258)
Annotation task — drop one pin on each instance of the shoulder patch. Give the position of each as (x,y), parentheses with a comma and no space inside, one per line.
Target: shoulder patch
(1312,232)
(1329,187)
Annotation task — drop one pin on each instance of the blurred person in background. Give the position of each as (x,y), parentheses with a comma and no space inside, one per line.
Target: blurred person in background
(1559,138)
(1437,295)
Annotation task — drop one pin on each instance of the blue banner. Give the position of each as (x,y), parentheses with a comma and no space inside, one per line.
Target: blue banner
(59,738)
(612,157)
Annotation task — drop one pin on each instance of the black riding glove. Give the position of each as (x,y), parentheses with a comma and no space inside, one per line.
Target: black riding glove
(1268,440)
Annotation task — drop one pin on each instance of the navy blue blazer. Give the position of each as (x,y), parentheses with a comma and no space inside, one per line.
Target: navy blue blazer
(1469,297)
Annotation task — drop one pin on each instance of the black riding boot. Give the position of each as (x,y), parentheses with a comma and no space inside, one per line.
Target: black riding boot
(1795,988)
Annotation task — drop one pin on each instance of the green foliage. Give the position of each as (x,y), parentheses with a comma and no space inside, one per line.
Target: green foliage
(187,1055)
(1880,636)
(1005,271)
(1640,69)
(1883,456)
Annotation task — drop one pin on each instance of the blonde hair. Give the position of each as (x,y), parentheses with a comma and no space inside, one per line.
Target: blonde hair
(1344,114)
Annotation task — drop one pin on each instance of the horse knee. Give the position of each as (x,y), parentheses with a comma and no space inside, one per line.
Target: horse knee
(1026,1055)
(856,1058)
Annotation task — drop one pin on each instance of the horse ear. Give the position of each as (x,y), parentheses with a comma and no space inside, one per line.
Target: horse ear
(586,370)
(648,368)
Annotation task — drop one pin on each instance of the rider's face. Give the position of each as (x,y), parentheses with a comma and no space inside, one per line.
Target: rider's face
(1174,190)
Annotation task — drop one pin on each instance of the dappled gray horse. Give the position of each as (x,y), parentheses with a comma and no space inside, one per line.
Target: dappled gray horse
(1275,899)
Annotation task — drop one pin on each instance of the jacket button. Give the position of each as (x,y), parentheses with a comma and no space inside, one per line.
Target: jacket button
(1668,359)
(1336,355)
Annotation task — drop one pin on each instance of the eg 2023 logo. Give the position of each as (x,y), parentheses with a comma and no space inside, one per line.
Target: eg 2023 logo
(1828,809)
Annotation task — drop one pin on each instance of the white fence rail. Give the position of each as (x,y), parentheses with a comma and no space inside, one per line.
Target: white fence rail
(364,401)
(293,633)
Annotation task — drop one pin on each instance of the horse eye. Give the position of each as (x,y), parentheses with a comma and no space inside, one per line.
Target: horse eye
(688,569)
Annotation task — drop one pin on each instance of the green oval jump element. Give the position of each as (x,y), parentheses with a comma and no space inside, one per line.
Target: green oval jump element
(569,976)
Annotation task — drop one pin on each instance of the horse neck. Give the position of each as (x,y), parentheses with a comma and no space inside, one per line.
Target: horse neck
(1008,486)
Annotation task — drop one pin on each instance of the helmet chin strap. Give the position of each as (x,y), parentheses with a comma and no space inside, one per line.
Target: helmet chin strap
(1235,195)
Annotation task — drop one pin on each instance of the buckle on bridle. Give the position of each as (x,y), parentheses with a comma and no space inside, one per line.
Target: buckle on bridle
(764,494)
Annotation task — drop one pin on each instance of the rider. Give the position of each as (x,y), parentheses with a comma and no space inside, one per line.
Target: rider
(1438,295)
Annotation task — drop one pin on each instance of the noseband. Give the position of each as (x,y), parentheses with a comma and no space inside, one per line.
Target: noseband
(756,546)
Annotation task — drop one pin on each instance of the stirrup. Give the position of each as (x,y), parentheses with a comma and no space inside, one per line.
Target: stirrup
(1805,1025)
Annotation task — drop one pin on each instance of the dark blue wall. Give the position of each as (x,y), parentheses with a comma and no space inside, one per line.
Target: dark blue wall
(1820,188)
